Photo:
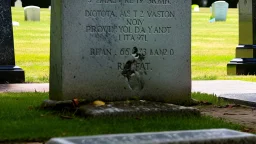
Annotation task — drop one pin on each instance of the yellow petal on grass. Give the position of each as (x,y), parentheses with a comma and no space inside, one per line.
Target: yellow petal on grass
(98,103)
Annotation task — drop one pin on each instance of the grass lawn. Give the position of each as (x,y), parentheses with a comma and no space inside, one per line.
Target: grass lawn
(213,45)
(21,120)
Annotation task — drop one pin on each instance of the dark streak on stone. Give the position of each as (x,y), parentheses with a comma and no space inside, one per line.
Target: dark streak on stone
(130,70)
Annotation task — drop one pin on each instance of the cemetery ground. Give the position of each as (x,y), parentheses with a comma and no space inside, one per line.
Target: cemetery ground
(213,46)
(21,119)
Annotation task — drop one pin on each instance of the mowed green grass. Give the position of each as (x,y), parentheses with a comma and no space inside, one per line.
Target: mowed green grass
(22,121)
(32,45)
(213,45)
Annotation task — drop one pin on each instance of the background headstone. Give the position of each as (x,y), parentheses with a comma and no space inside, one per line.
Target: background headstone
(220,10)
(32,13)
(18,3)
(245,61)
(119,50)
(195,8)
(210,136)
(14,23)
(9,73)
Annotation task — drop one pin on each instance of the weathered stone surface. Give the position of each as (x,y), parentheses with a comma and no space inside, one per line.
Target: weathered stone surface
(32,13)
(120,108)
(131,108)
(211,136)
(114,50)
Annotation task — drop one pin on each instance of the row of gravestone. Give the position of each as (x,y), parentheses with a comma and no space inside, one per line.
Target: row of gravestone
(32,13)
(18,4)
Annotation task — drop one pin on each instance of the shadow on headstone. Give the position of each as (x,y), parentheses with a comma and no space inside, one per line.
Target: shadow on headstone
(9,73)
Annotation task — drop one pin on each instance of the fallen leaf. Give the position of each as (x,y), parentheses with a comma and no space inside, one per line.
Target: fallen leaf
(98,103)
(75,102)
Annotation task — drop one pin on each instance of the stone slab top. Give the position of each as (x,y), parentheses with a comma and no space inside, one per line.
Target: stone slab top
(207,136)
(242,92)
(119,108)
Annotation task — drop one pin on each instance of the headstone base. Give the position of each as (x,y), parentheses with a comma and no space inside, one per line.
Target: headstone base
(242,66)
(119,108)
(11,74)
(246,51)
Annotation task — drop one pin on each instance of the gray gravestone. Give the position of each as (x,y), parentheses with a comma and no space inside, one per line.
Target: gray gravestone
(115,50)
(245,61)
(32,13)
(9,73)
(18,3)
(212,136)
(220,10)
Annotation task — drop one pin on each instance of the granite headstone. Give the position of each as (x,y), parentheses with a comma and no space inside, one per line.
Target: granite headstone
(245,61)
(115,50)
(9,73)
(32,13)
(211,136)
(220,10)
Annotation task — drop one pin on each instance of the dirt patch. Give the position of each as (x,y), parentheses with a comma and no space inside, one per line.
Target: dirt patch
(242,115)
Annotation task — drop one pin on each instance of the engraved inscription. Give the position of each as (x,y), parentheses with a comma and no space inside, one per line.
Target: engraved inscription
(134,26)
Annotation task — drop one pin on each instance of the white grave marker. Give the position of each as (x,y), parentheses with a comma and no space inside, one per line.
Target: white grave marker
(14,23)
(220,10)
(18,3)
(32,13)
